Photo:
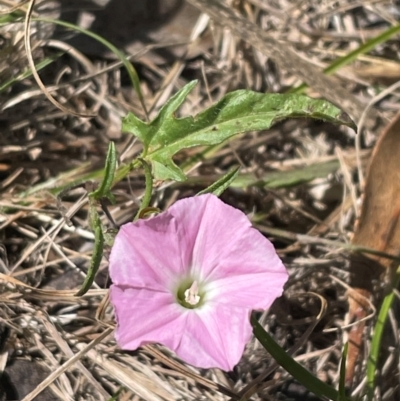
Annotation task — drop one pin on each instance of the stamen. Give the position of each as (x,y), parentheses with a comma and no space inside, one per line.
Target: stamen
(192,294)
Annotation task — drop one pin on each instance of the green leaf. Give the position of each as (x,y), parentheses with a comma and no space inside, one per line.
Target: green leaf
(237,112)
(218,187)
(111,163)
(158,133)
(96,258)
(301,374)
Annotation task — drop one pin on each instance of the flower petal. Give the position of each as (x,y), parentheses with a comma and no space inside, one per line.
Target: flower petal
(149,254)
(251,276)
(145,316)
(215,229)
(240,264)
(198,238)
(215,336)
(253,291)
(211,337)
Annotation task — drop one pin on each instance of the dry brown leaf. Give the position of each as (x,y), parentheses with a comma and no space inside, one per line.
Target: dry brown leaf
(378,228)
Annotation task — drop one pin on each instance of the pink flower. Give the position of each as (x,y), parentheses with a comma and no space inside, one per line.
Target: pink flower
(189,278)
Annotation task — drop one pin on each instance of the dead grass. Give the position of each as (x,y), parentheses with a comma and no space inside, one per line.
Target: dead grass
(45,239)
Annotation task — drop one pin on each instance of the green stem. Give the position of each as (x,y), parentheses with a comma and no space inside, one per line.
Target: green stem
(149,187)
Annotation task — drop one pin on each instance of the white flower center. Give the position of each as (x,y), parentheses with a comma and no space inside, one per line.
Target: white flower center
(192,294)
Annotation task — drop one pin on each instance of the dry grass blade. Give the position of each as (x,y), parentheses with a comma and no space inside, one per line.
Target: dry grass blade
(378,228)
(63,345)
(50,295)
(31,62)
(257,383)
(53,376)
(46,242)
(137,382)
(14,8)
(285,57)
(65,384)
(188,373)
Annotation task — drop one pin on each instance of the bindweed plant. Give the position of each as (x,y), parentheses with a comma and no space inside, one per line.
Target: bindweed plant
(190,277)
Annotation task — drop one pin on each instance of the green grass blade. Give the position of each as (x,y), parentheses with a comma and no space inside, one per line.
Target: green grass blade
(348,58)
(301,374)
(288,178)
(27,73)
(342,374)
(116,395)
(377,337)
(127,64)
(9,18)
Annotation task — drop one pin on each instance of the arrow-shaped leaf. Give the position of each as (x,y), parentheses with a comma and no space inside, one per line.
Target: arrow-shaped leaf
(237,112)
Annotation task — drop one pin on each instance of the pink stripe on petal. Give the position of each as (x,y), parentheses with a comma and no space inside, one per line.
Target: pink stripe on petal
(255,291)
(212,226)
(245,252)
